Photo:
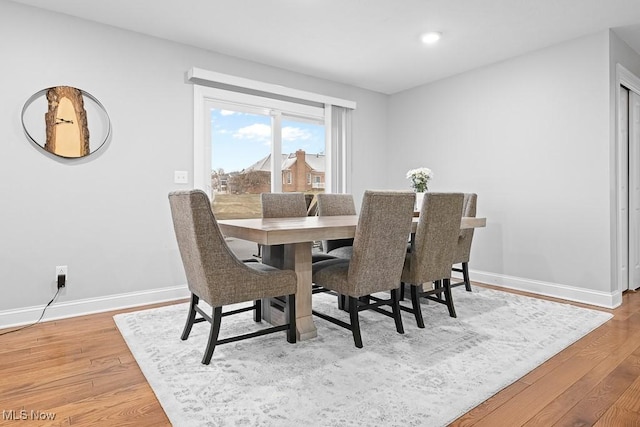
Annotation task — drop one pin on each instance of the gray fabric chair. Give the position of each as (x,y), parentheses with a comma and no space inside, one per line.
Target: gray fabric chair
(463,248)
(218,277)
(431,255)
(379,249)
(334,205)
(283,205)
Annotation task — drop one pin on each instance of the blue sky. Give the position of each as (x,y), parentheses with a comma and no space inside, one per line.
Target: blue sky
(241,139)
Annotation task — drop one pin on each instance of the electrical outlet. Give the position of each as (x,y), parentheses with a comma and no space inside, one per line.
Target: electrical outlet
(61,270)
(61,276)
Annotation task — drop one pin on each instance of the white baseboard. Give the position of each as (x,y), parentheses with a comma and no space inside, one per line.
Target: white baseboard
(555,290)
(27,315)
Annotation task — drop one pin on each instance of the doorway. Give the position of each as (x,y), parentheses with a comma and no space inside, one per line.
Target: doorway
(629,140)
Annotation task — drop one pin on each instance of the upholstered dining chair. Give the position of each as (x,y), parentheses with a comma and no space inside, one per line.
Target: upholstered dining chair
(463,248)
(431,255)
(216,276)
(283,205)
(334,205)
(379,249)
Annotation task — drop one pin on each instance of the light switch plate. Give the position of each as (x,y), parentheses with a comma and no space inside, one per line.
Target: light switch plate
(181,177)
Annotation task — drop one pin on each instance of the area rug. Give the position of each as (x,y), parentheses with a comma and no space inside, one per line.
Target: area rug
(426,377)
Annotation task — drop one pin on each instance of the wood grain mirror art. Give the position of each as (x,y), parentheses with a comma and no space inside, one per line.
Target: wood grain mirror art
(66,121)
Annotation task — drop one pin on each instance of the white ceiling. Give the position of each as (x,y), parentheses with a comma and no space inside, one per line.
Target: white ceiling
(373,44)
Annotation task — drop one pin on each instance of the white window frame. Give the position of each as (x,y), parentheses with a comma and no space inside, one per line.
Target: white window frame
(312,106)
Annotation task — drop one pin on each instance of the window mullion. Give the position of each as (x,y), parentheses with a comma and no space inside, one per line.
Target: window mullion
(276,151)
(329,174)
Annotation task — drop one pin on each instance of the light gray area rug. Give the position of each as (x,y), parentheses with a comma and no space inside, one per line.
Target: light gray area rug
(426,377)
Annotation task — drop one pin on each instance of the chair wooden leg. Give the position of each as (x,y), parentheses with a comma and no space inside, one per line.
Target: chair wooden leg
(216,316)
(191,317)
(355,321)
(438,284)
(415,302)
(395,306)
(401,291)
(257,311)
(465,275)
(341,302)
(290,318)
(446,283)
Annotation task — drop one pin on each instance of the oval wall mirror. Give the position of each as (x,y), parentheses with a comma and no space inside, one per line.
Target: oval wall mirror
(66,121)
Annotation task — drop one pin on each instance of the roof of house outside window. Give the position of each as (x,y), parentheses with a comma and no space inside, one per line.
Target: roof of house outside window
(315,161)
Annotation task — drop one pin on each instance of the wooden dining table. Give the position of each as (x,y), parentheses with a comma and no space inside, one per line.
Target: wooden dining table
(298,235)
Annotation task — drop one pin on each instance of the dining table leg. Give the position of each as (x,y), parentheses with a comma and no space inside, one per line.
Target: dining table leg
(297,257)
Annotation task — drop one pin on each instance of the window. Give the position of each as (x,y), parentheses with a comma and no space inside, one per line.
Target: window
(244,142)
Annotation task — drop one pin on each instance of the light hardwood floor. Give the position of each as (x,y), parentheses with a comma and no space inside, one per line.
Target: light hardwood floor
(81,370)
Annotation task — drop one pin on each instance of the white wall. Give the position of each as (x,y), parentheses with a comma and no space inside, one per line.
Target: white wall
(530,135)
(621,53)
(107,217)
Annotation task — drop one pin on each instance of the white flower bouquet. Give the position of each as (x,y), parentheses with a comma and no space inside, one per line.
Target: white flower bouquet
(420,179)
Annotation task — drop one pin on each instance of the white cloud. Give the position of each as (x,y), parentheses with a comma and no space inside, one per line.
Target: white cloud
(254,132)
(262,133)
(290,133)
(227,112)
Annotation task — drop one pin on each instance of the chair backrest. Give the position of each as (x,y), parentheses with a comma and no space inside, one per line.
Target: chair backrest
(436,237)
(208,261)
(380,242)
(280,205)
(333,205)
(463,248)
(283,205)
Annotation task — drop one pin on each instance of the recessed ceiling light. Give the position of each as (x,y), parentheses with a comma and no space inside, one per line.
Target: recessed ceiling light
(431,37)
